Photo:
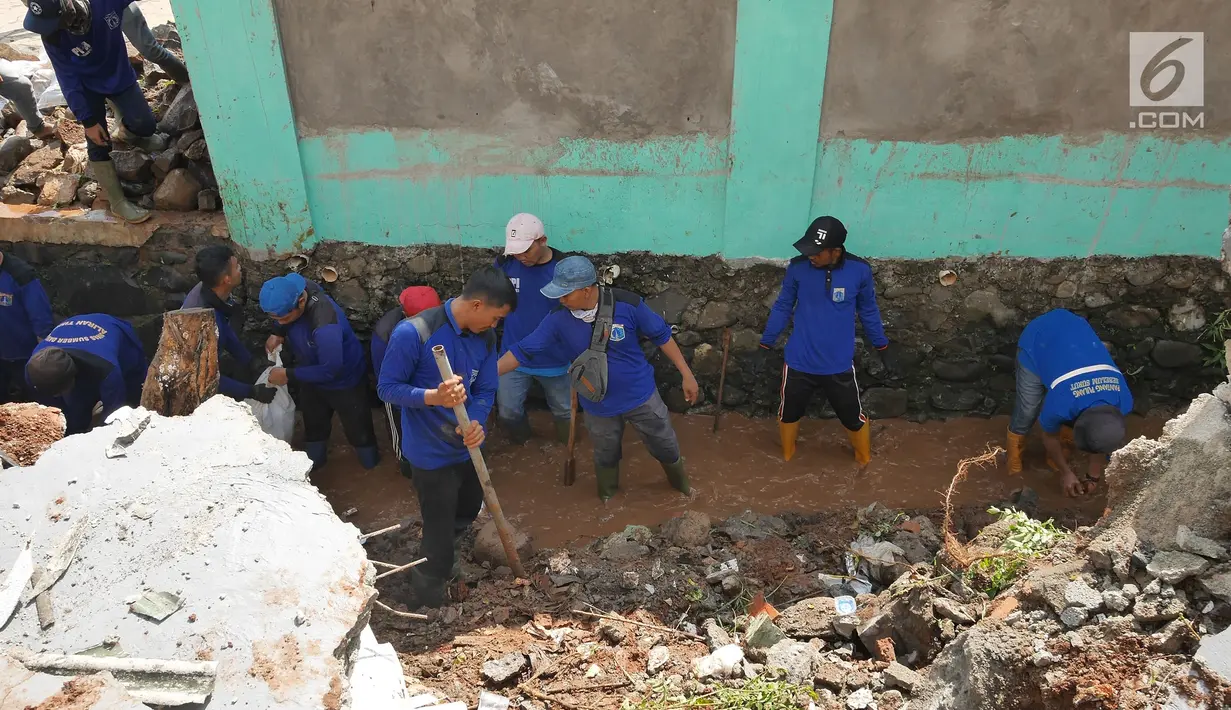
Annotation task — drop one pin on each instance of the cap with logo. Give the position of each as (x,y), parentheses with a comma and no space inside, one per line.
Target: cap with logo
(521,232)
(824,233)
(572,273)
(42,16)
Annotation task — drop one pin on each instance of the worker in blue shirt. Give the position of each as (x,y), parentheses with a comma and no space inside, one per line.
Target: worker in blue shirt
(530,263)
(25,319)
(85,43)
(412,301)
(632,395)
(220,274)
(435,450)
(823,291)
(329,370)
(85,360)
(1067,379)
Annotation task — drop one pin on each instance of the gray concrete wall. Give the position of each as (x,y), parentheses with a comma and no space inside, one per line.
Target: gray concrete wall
(939,70)
(534,69)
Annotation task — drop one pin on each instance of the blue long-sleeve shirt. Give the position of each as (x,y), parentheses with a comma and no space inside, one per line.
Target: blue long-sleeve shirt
(532,308)
(824,303)
(111,366)
(381,332)
(1068,356)
(409,370)
(95,62)
(630,377)
(228,339)
(25,312)
(327,353)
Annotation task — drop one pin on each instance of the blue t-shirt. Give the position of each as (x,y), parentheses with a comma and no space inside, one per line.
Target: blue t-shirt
(408,370)
(96,61)
(630,377)
(824,303)
(1075,367)
(532,308)
(25,312)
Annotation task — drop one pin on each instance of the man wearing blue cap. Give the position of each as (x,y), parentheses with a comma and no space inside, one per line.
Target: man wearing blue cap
(25,319)
(435,450)
(629,394)
(330,367)
(85,360)
(1066,378)
(824,290)
(85,44)
(530,264)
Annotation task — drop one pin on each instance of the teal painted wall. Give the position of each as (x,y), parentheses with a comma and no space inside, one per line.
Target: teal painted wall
(744,195)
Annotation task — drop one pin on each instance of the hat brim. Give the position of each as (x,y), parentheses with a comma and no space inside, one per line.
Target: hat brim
(554,290)
(40,25)
(807,247)
(515,249)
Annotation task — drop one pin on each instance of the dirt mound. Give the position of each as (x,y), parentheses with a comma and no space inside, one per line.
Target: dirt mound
(27,430)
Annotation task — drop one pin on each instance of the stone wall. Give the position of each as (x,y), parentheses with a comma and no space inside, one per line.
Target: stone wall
(957,341)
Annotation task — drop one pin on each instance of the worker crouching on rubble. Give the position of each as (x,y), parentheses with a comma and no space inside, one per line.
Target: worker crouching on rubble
(825,288)
(329,367)
(25,319)
(435,450)
(86,360)
(1068,381)
(598,330)
(85,43)
(412,301)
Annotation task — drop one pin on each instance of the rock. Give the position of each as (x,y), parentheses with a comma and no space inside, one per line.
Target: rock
(166,161)
(1152,609)
(899,676)
(706,360)
(185,141)
(77,160)
(669,304)
(1145,273)
(622,550)
(1176,355)
(1175,567)
(133,165)
(1082,595)
(1218,584)
(810,618)
(503,671)
(1116,600)
(885,402)
(949,400)
(1049,584)
(1132,317)
(951,610)
(59,189)
(181,115)
(87,193)
(1174,637)
(13,150)
(660,658)
(1098,300)
(17,196)
(986,302)
(830,674)
(612,633)
(1188,541)
(792,658)
(487,546)
(1186,317)
(967,370)
(35,164)
(724,662)
(1215,653)
(1113,551)
(146,202)
(1067,289)
(715,635)
(754,526)
(762,633)
(196,151)
(861,699)
(846,626)
(715,314)
(178,191)
(891,700)
(692,529)
(208,201)
(1074,616)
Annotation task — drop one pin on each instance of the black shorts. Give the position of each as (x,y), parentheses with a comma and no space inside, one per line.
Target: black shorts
(841,390)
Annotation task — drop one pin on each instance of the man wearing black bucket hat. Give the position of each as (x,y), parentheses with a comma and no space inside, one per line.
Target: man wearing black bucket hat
(825,288)
(1066,378)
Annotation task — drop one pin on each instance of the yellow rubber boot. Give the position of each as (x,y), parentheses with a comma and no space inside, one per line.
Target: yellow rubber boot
(862,442)
(1066,446)
(788,433)
(1014,447)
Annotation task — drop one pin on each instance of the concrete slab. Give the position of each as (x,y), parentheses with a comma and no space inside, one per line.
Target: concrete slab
(21,689)
(32,223)
(276,588)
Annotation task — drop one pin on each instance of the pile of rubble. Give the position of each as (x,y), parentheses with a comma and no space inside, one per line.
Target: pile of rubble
(189,559)
(26,431)
(56,173)
(875,608)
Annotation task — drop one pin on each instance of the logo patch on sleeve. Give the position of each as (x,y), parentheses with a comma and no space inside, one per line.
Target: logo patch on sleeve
(617,332)
(839,295)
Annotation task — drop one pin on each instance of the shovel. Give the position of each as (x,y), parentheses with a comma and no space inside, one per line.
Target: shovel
(570,464)
(722,378)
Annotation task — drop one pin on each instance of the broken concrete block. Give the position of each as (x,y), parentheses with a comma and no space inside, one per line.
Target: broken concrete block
(1188,541)
(59,189)
(487,546)
(715,635)
(177,192)
(1215,653)
(1116,600)
(860,699)
(846,625)
(724,662)
(949,609)
(27,689)
(1078,593)
(1074,616)
(1152,609)
(810,618)
(1218,583)
(762,633)
(792,658)
(660,658)
(899,676)
(504,670)
(1175,567)
(228,533)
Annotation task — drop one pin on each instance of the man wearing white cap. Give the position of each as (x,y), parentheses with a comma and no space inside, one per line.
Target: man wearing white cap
(530,264)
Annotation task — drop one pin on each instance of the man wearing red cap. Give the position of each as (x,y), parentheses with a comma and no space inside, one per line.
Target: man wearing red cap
(413,300)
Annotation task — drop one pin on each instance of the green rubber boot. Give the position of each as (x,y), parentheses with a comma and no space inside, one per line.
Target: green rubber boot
(456,572)
(677,477)
(150,144)
(104,173)
(608,481)
(561,430)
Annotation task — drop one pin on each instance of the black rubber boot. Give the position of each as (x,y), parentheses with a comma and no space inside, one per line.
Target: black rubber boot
(518,430)
(608,481)
(677,477)
(561,430)
(428,591)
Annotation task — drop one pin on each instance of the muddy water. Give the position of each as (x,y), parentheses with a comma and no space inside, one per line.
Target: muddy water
(737,469)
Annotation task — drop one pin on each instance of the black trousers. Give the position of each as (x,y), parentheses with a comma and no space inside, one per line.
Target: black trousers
(841,390)
(318,406)
(450,499)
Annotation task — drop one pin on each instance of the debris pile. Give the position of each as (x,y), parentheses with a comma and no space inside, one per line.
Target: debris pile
(191,559)
(27,430)
(56,173)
